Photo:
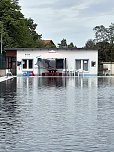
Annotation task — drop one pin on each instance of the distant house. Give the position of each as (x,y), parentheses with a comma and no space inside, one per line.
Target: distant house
(48,44)
(108,68)
(44,62)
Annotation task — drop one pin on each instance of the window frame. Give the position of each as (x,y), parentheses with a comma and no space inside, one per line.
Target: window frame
(27,65)
(81,65)
(86,68)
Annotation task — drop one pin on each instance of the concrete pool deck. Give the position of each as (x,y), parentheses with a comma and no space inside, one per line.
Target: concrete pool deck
(5,78)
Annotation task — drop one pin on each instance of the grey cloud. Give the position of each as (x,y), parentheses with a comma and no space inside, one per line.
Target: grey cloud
(102,8)
(57,4)
(70,19)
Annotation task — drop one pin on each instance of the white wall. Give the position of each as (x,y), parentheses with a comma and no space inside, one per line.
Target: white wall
(70,55)
(28,54)
(91,55)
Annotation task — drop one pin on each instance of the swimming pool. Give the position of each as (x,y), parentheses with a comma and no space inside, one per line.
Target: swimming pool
(57,114)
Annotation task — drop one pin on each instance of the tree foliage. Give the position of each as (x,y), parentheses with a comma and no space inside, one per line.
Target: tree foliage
(63,44)
(103,34)
(71,45)
(104,42)
(17,30)
(90,44)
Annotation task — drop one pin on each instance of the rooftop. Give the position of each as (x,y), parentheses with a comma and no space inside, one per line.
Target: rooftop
(47,49)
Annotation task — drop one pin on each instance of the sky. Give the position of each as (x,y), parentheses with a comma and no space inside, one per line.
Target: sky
(72,20)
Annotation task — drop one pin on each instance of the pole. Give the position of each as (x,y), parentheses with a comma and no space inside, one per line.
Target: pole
(1,36)
(1,41)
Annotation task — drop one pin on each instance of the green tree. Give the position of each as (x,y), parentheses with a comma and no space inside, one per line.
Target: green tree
(90,44)
(103,51)
(63,43)
(71,45)
(17,30)
(104,38)
(101,33)
(110,34)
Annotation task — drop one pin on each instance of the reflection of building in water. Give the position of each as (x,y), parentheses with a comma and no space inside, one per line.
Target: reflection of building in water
(33,83)
(8,93)
(82,97)
(8,87)
(105,81)
(9,114)
(27,83)
(52,81)
(86,82)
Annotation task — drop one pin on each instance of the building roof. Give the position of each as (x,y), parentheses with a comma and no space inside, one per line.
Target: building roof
(49,49)
(48,43)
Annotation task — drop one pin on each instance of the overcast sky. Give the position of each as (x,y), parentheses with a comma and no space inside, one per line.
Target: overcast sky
(73,20)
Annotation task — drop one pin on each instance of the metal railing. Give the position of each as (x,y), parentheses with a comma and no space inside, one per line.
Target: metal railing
(2,62)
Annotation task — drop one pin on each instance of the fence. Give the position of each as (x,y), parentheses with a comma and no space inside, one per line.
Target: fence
(2,62)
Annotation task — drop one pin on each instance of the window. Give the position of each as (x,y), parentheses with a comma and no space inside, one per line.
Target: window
(59,63)
(93,63)
(78,64)
(85,65)
(24,64)
(27,63)
(30,64)
(82,64)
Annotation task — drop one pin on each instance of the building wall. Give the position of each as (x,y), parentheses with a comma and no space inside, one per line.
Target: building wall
(70,55)
(90,55)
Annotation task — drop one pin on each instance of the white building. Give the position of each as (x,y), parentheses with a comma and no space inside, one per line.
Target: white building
(46,62)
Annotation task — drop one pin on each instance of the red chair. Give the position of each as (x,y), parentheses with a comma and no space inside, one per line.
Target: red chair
(31,73)
(43,74)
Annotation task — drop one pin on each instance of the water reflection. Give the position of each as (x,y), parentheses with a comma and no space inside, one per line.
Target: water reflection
(57,114)
(52,81)
(105,113)
(9,123)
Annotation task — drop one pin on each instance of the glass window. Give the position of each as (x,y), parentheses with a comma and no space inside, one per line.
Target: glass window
(24,64)
(93,63)
(30,64)
(78,64)
(85,65)
(59,63)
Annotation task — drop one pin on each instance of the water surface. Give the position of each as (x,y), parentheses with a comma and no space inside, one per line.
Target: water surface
(57,114)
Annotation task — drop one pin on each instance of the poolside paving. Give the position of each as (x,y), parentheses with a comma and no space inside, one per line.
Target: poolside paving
(5,78)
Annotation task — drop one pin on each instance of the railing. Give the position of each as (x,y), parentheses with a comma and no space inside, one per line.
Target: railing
(2,62)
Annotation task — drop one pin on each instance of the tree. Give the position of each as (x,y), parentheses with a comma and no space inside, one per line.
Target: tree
(101,33)
(103,51)
(63,43)
(104,38)
(71,45)
(17,30)
(110,32)
(90,44)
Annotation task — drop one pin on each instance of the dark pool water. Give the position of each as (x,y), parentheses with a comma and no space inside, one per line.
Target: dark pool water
(57,114)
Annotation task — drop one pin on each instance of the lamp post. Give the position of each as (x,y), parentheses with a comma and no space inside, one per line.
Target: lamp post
(1,42)
(1,37)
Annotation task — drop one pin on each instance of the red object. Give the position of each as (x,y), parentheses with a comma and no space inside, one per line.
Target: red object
(43,74)
(31,73)
(60,74)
